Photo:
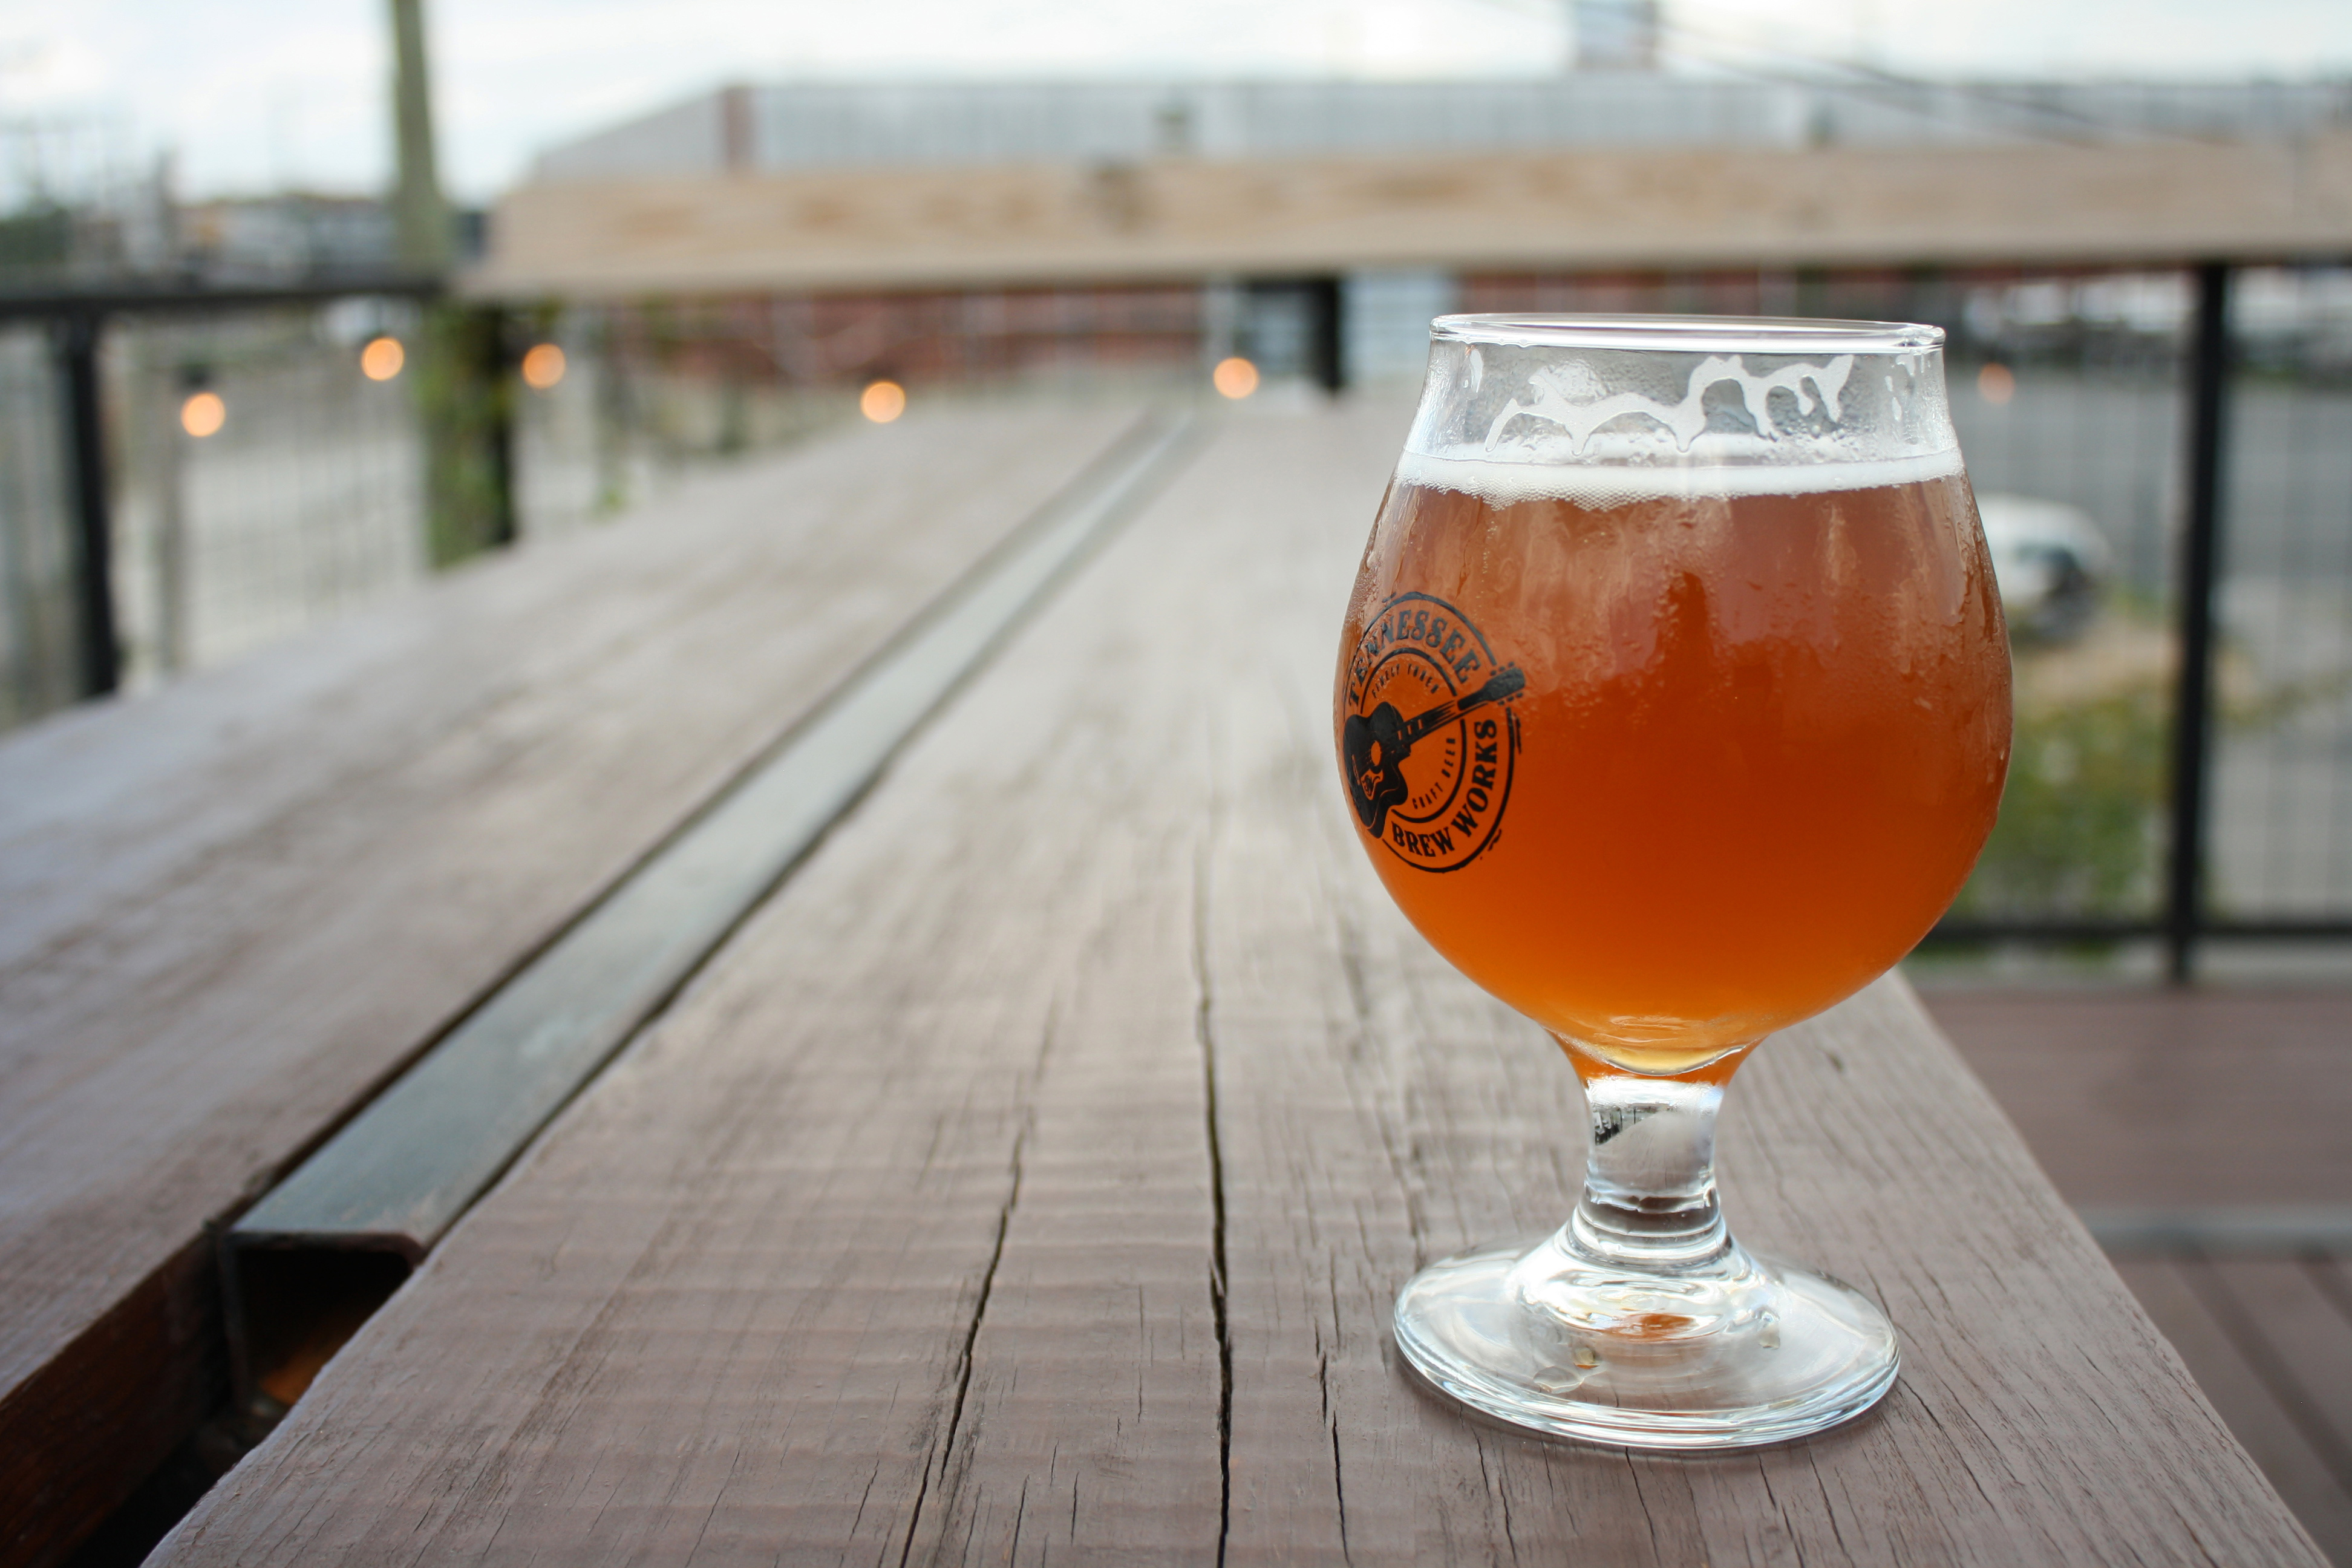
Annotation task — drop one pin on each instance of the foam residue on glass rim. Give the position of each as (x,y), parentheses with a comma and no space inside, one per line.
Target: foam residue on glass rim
(1604,428)
(1568,397)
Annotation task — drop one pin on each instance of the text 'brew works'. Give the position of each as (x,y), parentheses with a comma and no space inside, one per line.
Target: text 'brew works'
(1728,821)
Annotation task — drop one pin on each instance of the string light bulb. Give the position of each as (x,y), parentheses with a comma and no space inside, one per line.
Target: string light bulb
(543,367)
(382,359)
(1236,378)
(203,413)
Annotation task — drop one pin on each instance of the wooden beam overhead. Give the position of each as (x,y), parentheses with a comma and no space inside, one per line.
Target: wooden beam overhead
(2156,202)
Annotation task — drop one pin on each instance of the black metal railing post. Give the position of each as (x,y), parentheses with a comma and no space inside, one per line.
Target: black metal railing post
(2193,716)
(1326,336)
(75,341)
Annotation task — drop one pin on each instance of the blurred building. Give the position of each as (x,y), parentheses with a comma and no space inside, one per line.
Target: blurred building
(77,205)
(797,126)
(81,208)
(288,236)
(966,229)
(1614,35)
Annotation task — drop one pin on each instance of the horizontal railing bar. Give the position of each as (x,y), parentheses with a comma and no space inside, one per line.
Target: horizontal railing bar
(2288,928)
(2252,1228)
(2315,926)
(166,297)
(2040,930)
(402,1171)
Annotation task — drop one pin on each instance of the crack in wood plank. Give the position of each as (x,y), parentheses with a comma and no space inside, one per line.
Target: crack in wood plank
(230,912)
(1205,1032)
(971,1338)
(1046,841)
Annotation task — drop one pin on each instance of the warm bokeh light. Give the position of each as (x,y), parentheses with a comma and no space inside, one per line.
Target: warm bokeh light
(882,402)
(1996,383)
(382,359)
(1235,377)
(543,367)
(203,413)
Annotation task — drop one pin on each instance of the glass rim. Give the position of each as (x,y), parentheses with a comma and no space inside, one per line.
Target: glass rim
(1688,334)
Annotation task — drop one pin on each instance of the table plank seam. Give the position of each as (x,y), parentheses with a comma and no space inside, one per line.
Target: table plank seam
(406,1165)
(188,1395)
(747,1215)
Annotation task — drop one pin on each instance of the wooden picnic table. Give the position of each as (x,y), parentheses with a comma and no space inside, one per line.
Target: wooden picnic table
(1030,1175)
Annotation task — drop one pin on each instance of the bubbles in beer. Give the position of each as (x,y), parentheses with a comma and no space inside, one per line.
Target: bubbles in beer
(1761,736)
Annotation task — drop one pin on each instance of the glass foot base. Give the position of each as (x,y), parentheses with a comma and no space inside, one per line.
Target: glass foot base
(1743,1353)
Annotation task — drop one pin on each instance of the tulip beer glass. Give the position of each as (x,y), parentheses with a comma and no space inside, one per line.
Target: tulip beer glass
(1673,706)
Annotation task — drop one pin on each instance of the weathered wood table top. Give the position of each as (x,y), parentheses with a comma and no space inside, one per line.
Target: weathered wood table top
(230,911)
(1030,1177)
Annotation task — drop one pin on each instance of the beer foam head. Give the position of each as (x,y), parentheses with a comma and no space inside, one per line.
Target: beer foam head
(1604,410)
(1599,486)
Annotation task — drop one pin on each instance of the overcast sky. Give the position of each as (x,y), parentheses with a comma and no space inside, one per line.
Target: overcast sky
(252,94)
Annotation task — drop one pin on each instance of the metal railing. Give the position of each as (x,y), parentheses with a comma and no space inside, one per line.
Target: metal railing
(2183,769)
(111,424)
(2184,761)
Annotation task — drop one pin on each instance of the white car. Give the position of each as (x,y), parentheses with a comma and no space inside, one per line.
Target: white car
(2049,560)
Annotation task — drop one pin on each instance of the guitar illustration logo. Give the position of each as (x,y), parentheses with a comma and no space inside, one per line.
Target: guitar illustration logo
(1428,741)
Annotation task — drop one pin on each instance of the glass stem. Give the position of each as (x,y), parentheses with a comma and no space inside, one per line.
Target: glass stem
(1649,1201)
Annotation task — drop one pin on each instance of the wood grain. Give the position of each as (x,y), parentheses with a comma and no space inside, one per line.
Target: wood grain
(1032,1177)
(400,1172)
(1549,210)
(229,910)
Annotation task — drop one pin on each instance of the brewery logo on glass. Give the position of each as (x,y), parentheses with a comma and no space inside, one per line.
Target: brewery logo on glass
(1429,742)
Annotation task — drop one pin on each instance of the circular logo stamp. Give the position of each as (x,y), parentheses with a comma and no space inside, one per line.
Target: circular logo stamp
(1429,742)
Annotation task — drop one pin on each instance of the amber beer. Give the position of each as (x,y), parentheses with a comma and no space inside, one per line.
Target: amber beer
(1670,761)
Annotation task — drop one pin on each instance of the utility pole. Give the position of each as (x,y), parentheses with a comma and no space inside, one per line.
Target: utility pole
(462,394)
(421,216)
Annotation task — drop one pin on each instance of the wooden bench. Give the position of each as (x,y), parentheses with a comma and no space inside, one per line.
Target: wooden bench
(1030,1176)
(231,913)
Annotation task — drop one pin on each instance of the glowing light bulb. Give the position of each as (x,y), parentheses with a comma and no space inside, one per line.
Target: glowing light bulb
(1235,377)
(543,367)
(382,359)
(202,415)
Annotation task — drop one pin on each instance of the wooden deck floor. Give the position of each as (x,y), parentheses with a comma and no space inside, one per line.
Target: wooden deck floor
(2219,1114)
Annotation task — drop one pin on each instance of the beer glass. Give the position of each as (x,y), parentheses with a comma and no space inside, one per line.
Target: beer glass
(1674,707)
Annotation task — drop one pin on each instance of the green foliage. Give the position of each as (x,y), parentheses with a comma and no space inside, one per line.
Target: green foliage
(465,396)
(39,236)
(2079,818)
